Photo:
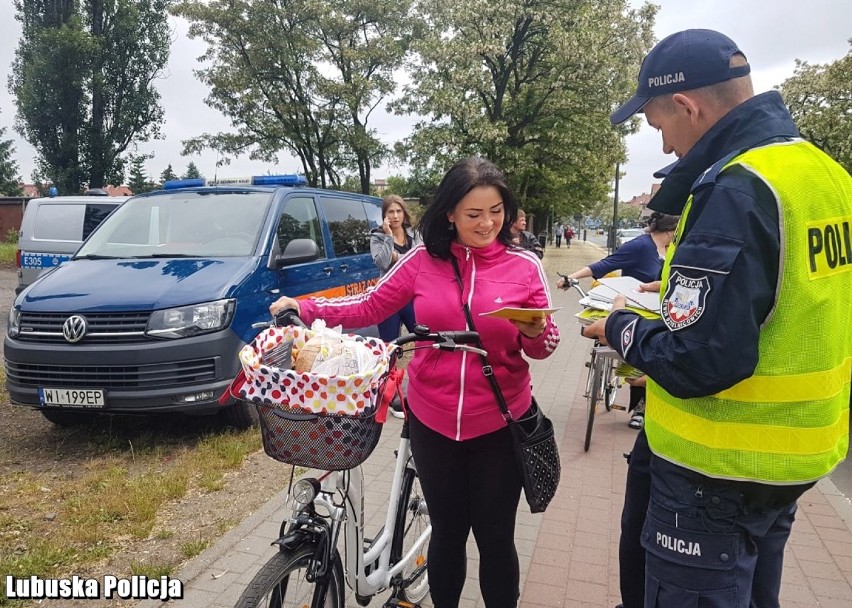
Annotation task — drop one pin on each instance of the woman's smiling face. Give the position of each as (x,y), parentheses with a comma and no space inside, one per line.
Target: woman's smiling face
(478,217)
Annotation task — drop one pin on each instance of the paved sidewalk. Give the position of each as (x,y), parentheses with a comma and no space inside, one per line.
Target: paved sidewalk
(569,555)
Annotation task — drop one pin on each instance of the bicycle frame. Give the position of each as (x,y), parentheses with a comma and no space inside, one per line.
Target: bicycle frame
(368,571)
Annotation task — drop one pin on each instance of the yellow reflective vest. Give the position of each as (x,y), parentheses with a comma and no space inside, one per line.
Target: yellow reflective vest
(789,422)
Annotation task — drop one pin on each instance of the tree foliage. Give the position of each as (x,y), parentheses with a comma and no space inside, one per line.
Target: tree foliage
(83,79)
(302,76)
(191,172)
(139,182)
(9,178)
(167,175)
(529,84)
(820,100)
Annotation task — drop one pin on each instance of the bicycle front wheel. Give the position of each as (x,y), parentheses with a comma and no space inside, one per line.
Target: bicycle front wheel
(282,583)
(595,392)
(412,519)
(609,383)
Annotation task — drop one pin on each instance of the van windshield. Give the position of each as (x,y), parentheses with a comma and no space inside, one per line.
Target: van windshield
(182,224)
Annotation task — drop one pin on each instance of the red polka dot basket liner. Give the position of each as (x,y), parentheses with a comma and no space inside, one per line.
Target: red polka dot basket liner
(313,420)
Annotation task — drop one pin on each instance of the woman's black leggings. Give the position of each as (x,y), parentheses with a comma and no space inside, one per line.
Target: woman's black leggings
(469,485)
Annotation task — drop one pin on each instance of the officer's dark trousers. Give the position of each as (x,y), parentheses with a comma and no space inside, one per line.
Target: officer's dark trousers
(631,554)
(469,485)
(703,537)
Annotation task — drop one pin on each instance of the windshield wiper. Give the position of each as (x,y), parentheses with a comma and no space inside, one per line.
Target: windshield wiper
(95,256)
(168,255)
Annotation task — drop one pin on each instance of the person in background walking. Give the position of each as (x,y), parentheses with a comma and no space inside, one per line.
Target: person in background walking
(557,233)
(749,368)
(460,441)
(569,234)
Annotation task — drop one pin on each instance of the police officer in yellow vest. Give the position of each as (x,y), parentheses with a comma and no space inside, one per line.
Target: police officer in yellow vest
(748,402)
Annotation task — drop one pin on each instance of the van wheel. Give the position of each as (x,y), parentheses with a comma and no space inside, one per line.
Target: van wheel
(63,418)
(240,415)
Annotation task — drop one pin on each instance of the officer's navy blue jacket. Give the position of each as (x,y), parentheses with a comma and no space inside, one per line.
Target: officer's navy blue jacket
(731,244)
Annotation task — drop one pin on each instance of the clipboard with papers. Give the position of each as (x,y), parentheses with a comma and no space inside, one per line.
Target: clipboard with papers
(628,287)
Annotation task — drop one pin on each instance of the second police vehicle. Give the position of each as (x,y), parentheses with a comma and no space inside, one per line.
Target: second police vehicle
(149,314)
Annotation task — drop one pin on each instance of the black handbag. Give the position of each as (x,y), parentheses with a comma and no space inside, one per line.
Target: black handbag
(536,453)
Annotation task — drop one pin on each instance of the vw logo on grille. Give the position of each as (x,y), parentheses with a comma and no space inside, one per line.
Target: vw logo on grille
(74,328)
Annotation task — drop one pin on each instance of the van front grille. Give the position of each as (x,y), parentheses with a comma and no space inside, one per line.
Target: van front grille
(110,327)
(160,375)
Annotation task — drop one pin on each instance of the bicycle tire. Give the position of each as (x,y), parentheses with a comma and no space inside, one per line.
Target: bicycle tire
(412,518)
(594,395)
(281,582)
(610,387)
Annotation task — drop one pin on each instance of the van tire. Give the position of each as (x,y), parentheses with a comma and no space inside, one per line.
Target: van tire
(240,415)
(65,419)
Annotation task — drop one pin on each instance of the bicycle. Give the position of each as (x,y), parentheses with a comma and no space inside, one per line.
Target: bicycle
(307,569)
(601,381)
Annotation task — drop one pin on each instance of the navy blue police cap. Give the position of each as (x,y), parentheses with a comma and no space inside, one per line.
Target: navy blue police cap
(683,61)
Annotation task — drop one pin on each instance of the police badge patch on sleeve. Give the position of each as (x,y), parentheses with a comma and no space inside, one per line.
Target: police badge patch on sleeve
(627,337)
(683,303)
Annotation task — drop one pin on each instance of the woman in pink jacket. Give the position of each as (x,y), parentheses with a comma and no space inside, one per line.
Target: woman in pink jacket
(460,442)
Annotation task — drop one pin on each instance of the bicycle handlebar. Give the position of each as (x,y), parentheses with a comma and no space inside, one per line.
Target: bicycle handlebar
(442,340)
(569,283)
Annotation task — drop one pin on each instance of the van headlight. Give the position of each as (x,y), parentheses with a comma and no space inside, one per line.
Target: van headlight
(13,326)
(193,320)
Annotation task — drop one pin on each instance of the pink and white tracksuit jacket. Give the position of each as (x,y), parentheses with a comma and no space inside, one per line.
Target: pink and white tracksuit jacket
(447,391)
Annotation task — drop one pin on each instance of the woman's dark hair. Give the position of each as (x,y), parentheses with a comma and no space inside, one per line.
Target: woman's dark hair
(662,222)
(391,199)
(463,177)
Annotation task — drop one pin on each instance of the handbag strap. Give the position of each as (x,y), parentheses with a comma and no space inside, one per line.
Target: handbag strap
(487,370)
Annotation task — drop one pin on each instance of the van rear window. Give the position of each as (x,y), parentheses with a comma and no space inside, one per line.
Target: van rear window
(69,222)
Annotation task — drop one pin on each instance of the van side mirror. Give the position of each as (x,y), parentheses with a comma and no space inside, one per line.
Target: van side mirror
(296,252)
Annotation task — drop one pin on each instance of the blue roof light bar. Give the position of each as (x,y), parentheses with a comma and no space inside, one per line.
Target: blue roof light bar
(255,180)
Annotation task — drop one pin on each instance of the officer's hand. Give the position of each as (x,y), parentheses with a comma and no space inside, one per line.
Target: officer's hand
(595,330)
(560,283)
(652,286)
(640,381)
(619,302)
(284,303)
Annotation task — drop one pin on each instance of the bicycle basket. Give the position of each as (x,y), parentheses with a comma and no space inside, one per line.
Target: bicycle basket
(314,420)
(330,442)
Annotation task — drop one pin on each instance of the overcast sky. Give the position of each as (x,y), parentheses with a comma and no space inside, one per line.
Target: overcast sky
(772,34)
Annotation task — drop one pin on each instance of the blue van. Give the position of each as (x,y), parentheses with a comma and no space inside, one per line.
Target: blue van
(149,314)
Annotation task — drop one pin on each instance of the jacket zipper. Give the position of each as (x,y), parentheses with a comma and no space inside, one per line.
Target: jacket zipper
(464,354)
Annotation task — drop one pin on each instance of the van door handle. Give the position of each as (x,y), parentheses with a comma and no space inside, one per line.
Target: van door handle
(344,267)
(327,270)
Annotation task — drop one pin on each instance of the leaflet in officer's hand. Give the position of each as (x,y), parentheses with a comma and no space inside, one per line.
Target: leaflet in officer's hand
(525,315)
(629,288)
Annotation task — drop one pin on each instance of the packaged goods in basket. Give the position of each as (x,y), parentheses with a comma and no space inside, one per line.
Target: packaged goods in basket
(334,373)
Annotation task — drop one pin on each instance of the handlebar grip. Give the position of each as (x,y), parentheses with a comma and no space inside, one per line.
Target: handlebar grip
(288,316)
(462,337)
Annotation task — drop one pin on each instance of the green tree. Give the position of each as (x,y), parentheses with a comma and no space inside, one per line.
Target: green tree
(83,79)
(168,175)
(529,84)
(820,100)
(191,172)
(139,181)
(302,76)
(10,181)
